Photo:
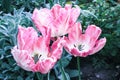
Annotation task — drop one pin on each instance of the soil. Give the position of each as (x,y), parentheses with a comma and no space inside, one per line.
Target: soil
(89,72)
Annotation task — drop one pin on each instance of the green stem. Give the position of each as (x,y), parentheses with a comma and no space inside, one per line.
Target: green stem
(78,64)
(39,77)
(62,71)
(48,76)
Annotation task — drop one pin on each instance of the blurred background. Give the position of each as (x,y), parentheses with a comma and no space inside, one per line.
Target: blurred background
(104,65)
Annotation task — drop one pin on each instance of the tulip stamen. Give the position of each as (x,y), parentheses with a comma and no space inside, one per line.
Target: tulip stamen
(36,58)
(80,47)
(74,45)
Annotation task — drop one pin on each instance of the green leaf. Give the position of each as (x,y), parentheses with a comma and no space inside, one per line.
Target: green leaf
(72,73)
(19,78)
(87,13)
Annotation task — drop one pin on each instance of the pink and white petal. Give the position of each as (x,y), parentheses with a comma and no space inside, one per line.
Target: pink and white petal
(46,38)
(61,18)
(26,38)
(99,45)
(68,45)
(94,32)
(68,6)
(75,32)
(45,66)
(41,48)
(57,48)
(36,18)
(45,17)
(43,30)
(74,14)
(39,43)
(85,53)
(83,40)
(56,10)
(60,23)
(58,19)
(42,17)
(15,52)
(23,59)
(72,47)
(75,52)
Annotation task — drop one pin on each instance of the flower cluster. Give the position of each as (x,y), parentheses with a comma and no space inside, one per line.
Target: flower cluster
(37,53)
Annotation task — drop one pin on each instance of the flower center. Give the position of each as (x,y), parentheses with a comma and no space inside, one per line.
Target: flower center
(39,56)
(81,47)
(36,58)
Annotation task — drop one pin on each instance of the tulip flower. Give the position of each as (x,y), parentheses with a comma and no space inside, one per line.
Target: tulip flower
(34,53)
(79,43)
(58,19)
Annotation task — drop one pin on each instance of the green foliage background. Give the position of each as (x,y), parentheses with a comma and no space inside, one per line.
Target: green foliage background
(103,13)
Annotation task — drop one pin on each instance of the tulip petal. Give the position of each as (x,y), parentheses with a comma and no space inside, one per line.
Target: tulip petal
(84,44)
(94,33)
(75,32)
(57,48)
(58,19)
(23,58)
(45,66)
(42,17)
(34,53)
(99,45)
(26,38)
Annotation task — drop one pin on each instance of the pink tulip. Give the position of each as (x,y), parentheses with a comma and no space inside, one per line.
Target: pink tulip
(85,43)
(34,53)
(58,19)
